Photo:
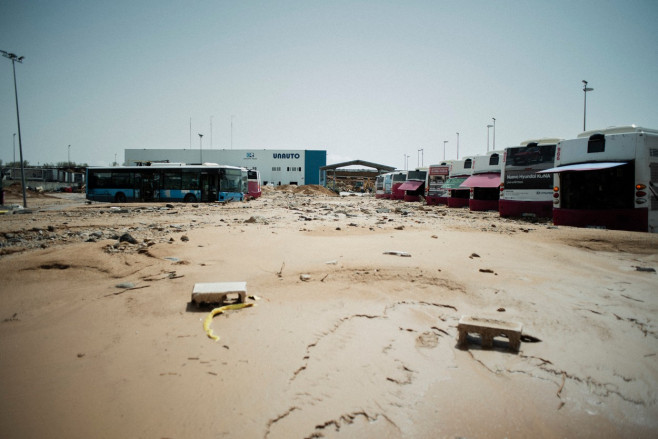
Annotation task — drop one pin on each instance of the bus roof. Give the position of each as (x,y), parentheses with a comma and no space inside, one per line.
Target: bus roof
(542,141)
(619,130)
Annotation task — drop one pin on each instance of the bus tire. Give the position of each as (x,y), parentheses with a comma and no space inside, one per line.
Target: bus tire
(190,198)
(120,197)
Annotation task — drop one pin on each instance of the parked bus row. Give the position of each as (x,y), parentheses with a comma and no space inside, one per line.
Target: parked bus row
(172,182)
(603,178)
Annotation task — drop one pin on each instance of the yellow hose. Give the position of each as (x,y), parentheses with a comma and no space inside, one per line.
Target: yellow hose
(221,309)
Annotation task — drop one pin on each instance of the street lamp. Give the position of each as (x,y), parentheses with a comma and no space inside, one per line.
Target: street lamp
(69,156)
(14,58)
(444,148)
(421,152)
(14,149)
(488,126)
(200,149)
(494,136)
(406,162)
(585,90)
(457,148)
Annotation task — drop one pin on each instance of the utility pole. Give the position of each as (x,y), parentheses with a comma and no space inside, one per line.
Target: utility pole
(585,90)
(200,149)
(14,58)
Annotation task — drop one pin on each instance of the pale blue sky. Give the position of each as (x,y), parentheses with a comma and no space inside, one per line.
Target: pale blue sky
(370,80)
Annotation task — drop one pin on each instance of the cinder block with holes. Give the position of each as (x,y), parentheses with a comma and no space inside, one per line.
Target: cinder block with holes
(219,292)
(487,329)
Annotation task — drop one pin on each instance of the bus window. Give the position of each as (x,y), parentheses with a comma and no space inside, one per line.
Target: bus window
(190,180)
(171,180)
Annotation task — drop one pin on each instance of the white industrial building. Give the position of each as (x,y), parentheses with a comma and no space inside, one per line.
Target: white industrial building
(277,166)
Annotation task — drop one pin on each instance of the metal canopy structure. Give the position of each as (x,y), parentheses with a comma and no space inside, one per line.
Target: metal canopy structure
(354,173)
(380,168)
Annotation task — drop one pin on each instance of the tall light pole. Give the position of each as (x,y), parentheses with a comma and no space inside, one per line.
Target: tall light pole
(14,149)
(585,90)
(457,146)
(200,149)
(69,156)
(421,153)
(494,136)
(444,149)
(488,128)
(14,58)
(406,162)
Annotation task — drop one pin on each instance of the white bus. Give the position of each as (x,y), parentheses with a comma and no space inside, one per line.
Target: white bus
(379,185)
(414,186)
(524,192)
(484,183)
(437,176)
(460,170)
(607,179)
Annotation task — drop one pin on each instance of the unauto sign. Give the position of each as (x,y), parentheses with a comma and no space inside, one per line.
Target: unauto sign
(286,155)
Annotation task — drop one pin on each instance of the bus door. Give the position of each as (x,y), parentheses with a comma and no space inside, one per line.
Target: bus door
(209,183)
(147,188)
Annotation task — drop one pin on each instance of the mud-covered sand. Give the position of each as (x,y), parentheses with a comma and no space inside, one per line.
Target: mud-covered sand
(365,347)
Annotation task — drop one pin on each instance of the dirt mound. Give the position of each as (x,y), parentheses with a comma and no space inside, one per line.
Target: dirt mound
(15,190)
(314,189)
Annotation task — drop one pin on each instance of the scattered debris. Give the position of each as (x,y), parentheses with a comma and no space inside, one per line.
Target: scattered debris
(280,272)
(398,253)
(486,270)
(305,277)
(127,237)
(645,269)
(501,310)
(474,255)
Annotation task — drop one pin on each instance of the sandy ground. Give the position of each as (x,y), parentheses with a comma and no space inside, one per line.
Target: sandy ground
(364,347)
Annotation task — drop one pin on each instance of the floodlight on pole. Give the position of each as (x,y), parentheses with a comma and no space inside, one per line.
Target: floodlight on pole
(457,147)
(494,134)
(69,156)
(14,58)
(14,149)
(200,149)
(585,90)
(421,152)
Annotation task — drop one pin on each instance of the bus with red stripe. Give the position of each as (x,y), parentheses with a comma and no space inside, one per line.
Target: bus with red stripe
(607,179)
(437,176)
(524,192)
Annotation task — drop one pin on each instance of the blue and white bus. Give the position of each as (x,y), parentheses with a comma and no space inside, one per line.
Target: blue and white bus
(167,182)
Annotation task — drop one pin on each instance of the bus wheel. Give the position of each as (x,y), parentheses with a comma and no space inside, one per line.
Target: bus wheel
(190,198)
(120,198)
